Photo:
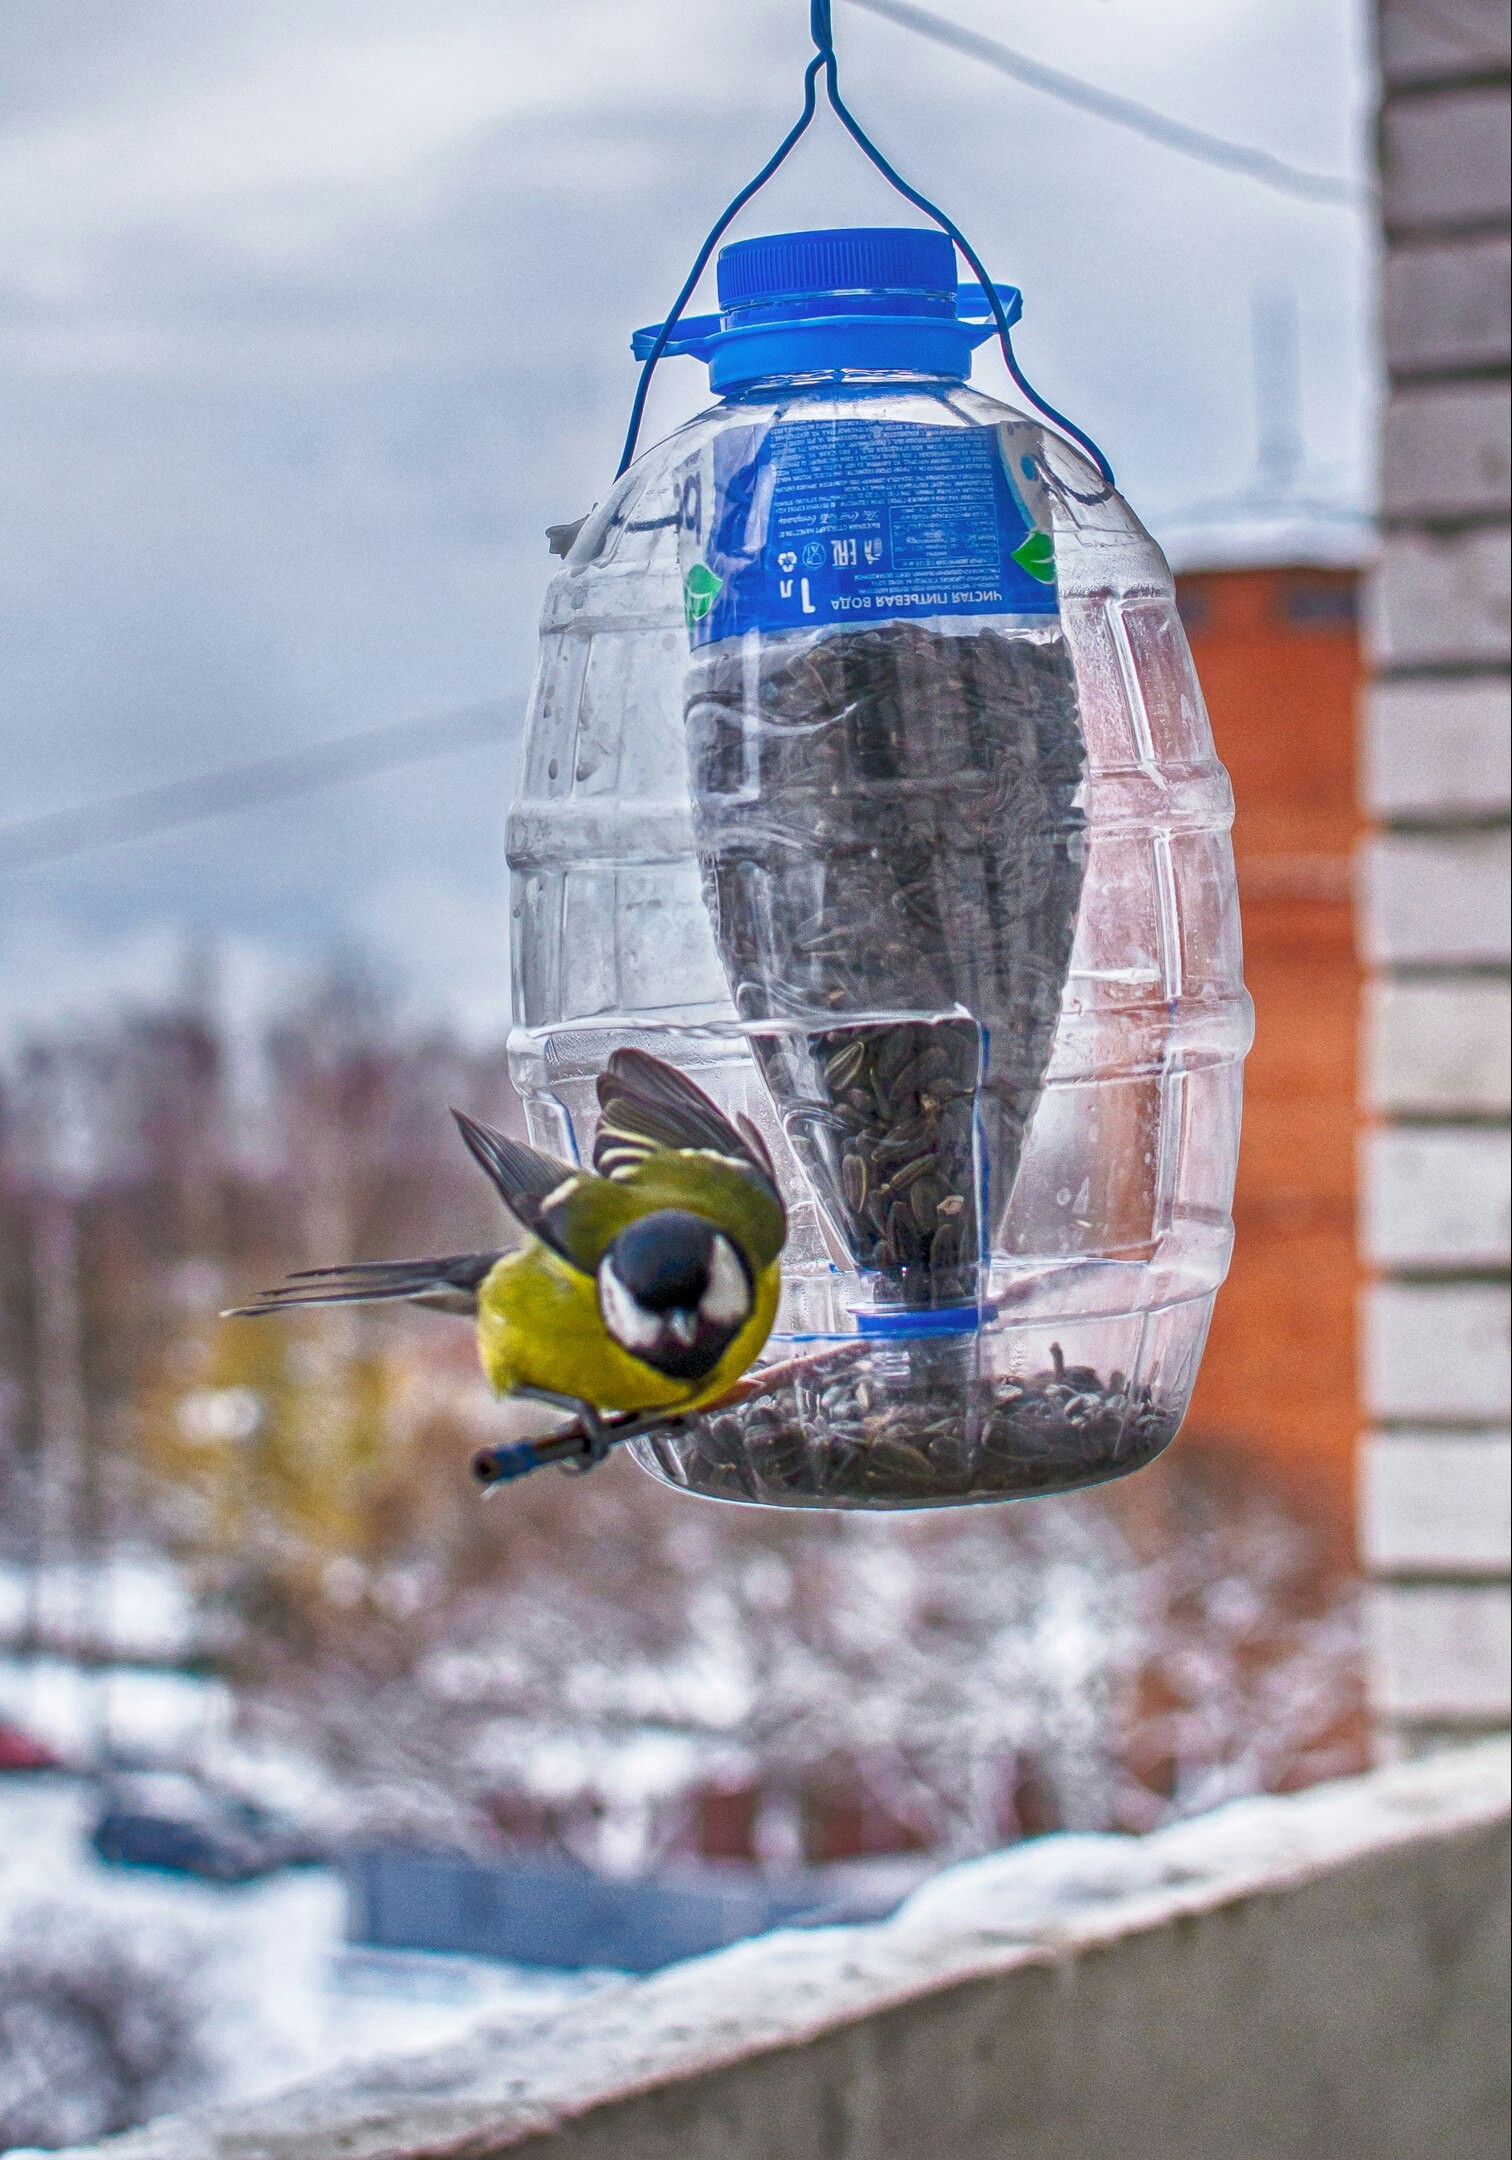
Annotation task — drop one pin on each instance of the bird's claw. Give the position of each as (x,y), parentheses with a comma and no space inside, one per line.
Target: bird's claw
(598,1439)
(602,1434)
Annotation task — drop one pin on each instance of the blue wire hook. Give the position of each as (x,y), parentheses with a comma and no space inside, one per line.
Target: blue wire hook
(821,29)
(715,235)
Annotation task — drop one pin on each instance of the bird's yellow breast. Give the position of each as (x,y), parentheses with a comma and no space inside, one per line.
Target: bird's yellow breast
(539,1326)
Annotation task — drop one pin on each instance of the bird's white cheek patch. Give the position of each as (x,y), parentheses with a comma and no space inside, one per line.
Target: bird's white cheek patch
(728,1297)
(630,1324)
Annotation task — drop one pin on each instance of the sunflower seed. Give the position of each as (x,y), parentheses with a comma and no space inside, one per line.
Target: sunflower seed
(924,1201)
(904,1139)
(846,1065)
(909,1173)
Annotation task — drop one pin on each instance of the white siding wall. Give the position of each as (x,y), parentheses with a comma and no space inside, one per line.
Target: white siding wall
(1434,891)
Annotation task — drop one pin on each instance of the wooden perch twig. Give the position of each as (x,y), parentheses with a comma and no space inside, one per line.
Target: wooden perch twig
(572,1446)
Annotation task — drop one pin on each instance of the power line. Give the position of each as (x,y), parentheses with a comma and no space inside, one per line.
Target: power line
(146,811)
(1159,127)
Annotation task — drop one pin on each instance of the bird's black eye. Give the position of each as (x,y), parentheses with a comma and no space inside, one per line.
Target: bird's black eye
(663,1260)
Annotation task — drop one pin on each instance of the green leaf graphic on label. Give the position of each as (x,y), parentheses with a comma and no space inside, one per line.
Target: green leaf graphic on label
(701,588)
(1036,554)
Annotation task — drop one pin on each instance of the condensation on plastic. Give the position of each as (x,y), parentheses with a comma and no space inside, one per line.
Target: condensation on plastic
(1111,1232)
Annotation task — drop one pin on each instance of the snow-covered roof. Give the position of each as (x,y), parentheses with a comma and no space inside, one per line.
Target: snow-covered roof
(1280,542)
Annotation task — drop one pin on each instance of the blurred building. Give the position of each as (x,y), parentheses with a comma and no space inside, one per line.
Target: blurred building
(1278,652)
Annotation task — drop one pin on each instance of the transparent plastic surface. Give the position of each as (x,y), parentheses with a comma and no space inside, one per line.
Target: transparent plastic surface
(947,905)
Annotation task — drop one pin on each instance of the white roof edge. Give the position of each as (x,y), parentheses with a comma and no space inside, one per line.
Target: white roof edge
(1268,547)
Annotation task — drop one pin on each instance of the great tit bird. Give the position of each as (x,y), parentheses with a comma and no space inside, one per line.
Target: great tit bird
(645,1286)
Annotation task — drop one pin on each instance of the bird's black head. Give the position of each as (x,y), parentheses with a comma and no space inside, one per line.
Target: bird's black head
(674,1292)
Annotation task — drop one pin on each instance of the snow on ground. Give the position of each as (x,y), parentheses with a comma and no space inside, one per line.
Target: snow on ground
(82,1711)
(286,1997)
(133,1605)
(1038,1906)
(118,1632)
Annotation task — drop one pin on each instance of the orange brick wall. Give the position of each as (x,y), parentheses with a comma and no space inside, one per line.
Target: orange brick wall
(1278,654)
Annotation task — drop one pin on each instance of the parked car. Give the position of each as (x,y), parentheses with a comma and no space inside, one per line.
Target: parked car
(19,1751)
(162,1819)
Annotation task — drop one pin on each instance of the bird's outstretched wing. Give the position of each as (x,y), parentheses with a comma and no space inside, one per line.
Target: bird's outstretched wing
(449,1285)
(524,1179)
(647,1106)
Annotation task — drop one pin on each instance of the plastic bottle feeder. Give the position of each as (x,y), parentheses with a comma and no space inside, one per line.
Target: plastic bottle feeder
(867,778)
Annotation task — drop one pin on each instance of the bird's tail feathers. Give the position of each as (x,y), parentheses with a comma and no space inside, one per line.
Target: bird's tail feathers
(448,1285)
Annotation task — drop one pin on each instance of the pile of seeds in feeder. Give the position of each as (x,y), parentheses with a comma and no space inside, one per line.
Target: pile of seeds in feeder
(863,1427)
(886,824)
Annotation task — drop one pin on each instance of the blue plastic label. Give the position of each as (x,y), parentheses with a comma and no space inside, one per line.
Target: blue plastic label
(803,525)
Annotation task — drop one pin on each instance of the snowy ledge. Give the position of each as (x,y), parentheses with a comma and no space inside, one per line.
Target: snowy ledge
(1323,1974)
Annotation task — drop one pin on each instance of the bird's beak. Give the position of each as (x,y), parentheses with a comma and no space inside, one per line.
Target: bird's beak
(684,1325)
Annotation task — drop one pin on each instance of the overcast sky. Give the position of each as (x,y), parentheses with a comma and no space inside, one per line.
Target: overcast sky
(313,313)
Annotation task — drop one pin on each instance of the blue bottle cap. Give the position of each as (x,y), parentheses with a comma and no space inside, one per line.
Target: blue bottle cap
(847,259)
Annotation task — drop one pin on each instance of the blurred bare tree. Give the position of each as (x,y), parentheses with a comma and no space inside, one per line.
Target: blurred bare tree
(595,1662)
(148,1174)
(844,1683)
(99,2028)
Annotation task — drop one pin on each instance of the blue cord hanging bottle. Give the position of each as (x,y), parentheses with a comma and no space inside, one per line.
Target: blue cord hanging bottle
(868,779)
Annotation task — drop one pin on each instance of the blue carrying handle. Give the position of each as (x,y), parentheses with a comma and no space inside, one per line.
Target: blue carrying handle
(974,304)
(822,68)
(694,335)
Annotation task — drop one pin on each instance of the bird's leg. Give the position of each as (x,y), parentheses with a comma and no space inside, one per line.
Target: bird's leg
(606,1433)
(572,1403)
(601,1439)
(627,1425)
(600,1436)
(631,1428)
